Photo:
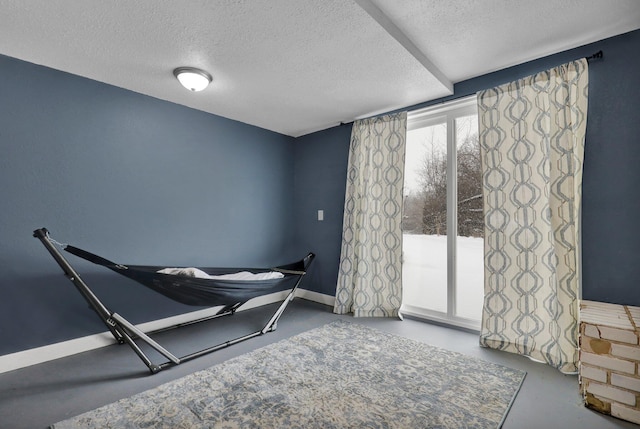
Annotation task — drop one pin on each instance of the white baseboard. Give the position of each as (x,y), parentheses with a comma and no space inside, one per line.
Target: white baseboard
(321,298)
(51,352)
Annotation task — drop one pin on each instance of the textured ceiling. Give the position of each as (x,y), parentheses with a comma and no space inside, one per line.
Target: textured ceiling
(298,66)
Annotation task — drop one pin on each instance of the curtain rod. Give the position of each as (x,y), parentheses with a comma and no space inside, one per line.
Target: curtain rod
(597,56)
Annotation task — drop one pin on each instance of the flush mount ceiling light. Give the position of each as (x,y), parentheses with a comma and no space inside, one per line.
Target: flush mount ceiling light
(193,79)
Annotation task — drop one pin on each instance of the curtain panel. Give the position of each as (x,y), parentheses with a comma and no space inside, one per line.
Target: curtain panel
(532,134)
(370,274)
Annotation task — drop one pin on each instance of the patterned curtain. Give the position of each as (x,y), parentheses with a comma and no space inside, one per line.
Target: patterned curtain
(532,135)
(370,275)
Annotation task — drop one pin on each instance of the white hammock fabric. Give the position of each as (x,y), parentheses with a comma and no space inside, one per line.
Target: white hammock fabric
(239,276)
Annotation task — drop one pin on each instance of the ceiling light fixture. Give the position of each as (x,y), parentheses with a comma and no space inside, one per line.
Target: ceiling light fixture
(193,79)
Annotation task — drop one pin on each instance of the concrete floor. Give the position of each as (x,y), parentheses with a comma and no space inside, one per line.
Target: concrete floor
(40,395)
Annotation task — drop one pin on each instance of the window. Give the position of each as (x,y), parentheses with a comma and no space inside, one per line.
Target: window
(443,226)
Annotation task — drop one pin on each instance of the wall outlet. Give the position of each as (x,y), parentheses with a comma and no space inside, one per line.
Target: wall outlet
(320,215)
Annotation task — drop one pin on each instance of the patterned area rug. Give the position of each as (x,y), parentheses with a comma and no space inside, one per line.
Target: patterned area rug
(341,375)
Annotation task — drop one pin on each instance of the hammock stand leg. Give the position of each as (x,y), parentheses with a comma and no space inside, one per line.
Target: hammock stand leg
(72,275)
(272,324)
(125,332)
(117,325)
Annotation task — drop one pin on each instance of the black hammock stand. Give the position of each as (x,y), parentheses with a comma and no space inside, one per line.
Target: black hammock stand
(230,294)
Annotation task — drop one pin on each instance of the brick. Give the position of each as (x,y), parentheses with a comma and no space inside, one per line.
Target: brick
(591,331)
(625,413)
(597,404)
(627,352)
(609,320)
(631,383)
(596,306)
(612,315)
(608,362)
(585,303)
(621,335)
(600,347)
(592,373)
(617,395)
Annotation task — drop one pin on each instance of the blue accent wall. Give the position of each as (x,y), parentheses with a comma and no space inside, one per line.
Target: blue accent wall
(611,183)
(131,178)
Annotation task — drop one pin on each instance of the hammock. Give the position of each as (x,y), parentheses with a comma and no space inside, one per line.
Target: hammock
(208,290)
(200,291)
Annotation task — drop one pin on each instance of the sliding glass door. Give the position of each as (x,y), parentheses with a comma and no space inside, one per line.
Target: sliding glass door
(443,218)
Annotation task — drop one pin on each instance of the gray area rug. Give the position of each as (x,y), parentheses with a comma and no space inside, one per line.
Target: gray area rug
(341,375)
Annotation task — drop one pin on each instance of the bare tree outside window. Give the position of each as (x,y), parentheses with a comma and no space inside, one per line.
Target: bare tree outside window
(469,172)
(425,210)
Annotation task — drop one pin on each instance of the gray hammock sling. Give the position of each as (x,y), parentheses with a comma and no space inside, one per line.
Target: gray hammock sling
(200,291)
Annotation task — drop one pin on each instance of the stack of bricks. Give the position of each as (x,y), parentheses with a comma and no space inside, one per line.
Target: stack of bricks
(610,359)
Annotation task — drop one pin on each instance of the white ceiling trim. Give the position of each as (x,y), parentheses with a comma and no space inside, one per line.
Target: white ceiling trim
(393,30)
